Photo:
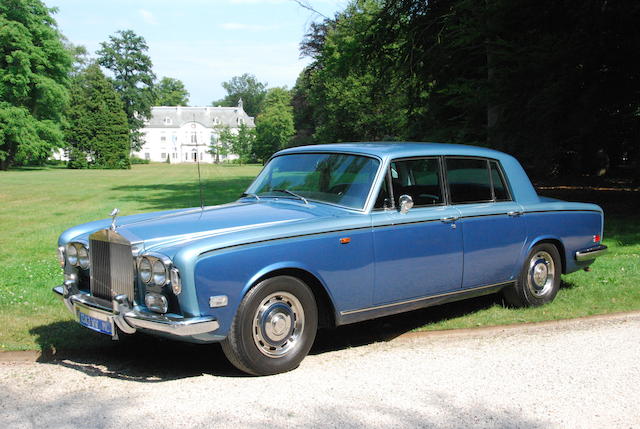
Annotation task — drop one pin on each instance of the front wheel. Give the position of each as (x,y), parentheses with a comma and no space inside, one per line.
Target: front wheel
(274,327)
(539,280)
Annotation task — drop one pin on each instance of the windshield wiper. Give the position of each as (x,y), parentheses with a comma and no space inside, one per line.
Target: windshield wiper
(286,191)
(250,194)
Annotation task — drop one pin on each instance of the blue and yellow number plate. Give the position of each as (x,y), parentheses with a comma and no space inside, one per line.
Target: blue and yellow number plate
(95,320)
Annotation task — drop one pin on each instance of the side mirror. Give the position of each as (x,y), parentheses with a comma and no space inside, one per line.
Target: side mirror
(406,203)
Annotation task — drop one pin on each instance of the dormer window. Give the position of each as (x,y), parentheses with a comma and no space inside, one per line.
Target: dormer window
(240,121)
(167,120)
(216,121)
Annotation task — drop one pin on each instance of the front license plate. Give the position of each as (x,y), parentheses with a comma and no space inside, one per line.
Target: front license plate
(94,320)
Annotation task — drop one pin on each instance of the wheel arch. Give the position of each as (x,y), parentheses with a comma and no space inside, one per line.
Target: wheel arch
(326,309)
(557,243)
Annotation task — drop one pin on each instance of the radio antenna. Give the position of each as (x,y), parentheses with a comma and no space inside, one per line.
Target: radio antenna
(195,138)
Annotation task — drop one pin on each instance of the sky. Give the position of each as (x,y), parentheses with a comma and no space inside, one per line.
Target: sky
(202,42)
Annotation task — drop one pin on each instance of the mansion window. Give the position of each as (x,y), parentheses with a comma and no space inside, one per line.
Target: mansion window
(147,156)
(193,138)
(163,138)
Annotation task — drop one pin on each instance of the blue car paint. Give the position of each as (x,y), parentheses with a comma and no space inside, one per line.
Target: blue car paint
(484,248)
(416,254)
(226,249)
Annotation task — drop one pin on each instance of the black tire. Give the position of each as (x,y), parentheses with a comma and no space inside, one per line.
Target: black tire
(539,279)
(274,327)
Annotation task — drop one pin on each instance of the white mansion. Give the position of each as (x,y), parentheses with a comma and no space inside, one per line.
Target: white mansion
(185,134)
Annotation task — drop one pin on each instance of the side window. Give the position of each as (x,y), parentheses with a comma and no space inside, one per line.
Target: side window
(499,187)
(418,178)
(469,180)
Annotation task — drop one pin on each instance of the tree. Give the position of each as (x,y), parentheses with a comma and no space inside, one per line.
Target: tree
(98,132)
(221,146)
(344,94)
(303,111)
(125,55)
(247,88)
(170,92)
(530,77)
(274,126)
(80,57)
(34,68)
(240,143)
(244,144)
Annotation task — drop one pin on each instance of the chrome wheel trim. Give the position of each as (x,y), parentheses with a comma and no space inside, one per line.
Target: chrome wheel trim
(278,324)
(541,274)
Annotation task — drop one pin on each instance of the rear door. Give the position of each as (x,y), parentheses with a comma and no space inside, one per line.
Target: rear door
(491,222)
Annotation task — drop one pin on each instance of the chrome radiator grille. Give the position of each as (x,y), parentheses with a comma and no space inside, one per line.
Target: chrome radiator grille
(112,267)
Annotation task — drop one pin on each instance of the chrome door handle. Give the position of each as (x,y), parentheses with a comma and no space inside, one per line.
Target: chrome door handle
(515,213)
(449,219)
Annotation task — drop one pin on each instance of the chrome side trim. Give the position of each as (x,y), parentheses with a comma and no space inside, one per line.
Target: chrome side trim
(130,319)
(591,253)
(425,298)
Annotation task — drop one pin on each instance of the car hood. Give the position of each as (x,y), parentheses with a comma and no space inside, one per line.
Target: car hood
(194,224)
(220,225)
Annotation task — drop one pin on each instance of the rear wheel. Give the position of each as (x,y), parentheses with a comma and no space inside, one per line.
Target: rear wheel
(274,327)
(539,280)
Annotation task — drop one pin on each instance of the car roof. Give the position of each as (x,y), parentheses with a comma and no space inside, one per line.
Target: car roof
(398,149)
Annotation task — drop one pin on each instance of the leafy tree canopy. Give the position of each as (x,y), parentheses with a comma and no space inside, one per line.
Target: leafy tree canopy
(274,126)
(170,92)
(98,132)
(530,77)
(346,95)
(125,54)
(34,68)
(245,87)
(241,143)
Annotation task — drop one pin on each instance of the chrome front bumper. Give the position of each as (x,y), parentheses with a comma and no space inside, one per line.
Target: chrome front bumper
(591,253)
(129,319)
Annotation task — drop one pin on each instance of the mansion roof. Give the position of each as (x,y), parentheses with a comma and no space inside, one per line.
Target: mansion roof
(177,116)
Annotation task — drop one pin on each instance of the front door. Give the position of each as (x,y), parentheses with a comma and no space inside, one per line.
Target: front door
(419,253)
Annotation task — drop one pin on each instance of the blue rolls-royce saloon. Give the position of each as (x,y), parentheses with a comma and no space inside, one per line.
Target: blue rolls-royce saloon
(325,236)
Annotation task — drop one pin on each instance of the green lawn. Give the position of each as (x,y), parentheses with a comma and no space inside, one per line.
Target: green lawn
(38,204)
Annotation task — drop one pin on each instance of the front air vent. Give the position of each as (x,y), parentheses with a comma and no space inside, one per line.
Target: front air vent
(111,265)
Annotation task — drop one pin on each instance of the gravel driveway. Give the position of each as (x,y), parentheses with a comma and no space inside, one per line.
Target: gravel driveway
(581,373)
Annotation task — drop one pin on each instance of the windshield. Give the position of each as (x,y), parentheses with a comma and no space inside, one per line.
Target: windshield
(332,178)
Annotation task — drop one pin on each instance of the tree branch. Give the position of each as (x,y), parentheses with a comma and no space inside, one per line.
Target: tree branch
(306,5)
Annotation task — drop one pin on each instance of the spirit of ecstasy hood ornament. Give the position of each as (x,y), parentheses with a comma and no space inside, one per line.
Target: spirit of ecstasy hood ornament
(114,214)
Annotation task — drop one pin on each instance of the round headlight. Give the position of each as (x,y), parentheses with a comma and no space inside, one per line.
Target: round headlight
(159,273)
(72,255)
(83,257)
(144,269)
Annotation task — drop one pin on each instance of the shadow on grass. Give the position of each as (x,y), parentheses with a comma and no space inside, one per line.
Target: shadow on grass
(145,358)
(38,168)
(624,230)
(164,196)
